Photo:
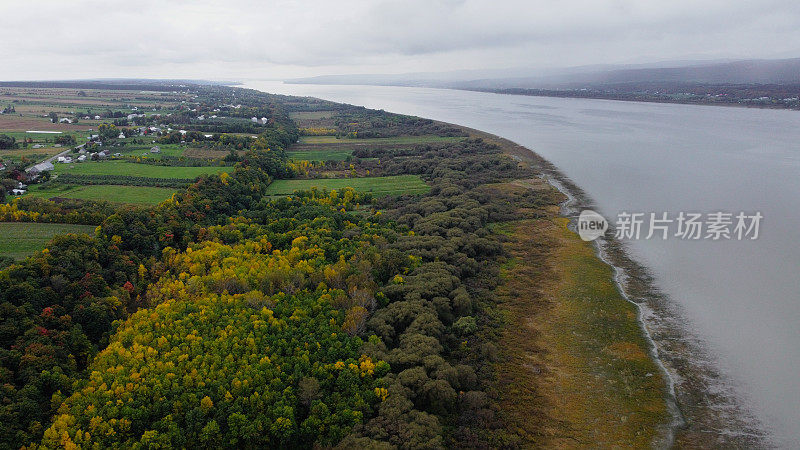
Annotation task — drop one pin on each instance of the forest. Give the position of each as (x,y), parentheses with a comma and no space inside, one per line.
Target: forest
(225,316)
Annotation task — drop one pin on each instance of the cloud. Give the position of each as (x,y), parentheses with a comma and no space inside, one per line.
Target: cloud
(208,39)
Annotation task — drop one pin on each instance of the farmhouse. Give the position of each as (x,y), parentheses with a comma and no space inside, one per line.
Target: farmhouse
(155,149)
(65,120)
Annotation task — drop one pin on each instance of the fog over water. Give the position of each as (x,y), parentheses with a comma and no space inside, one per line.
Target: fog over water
(741,297)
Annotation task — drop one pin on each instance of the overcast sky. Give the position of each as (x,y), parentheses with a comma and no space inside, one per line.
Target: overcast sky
(231,39)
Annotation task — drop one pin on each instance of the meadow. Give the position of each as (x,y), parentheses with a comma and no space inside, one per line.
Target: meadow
(142,195)
(20,239)
(378,186)
(122,168)
(319,155)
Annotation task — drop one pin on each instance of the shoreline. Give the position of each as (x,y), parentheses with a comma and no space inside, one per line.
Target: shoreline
(704,410)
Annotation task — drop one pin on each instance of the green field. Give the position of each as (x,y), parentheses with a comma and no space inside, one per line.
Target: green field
(144,149)
(143,195)
(311,115)
(122,168)
(319,155)
(379,186)
(20,239)
(392,140)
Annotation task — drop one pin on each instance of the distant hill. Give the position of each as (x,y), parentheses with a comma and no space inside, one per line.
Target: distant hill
(783,71)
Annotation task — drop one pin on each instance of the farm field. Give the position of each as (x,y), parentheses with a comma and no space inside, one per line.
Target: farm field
(379,186)
(319,155)
(311,115)
(15,122)
(122,168)
(34,154)
(424,139)
(20,239)
(144,149)
(141,195)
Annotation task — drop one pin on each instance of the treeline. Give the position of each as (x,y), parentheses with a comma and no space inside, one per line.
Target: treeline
(178,161)
(72,211)
(366,123)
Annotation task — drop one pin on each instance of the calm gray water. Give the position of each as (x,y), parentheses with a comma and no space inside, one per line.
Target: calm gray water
(741,297)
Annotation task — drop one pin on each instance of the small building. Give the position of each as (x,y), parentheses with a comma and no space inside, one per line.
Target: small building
(121,136)
(96,117)
(264,120)
(41,167)
(155,149)
(18,191)
(61,159)
(254,119)
(82,158)
(21,185)
(65,120)
(87,118)
(57,146)
(2,166)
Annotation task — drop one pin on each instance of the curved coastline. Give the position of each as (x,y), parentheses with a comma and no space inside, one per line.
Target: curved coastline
(704,408)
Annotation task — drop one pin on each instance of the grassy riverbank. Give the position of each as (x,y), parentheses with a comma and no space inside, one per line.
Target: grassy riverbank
(576,370)
(574,353)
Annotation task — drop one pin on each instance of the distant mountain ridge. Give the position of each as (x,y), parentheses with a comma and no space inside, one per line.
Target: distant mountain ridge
(756,71)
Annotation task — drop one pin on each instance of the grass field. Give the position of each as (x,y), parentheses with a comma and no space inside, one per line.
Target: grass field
(20,239)
(392,140)
(35,154)
(319,155)
(311,115)
(379,186)
(142,195)
(144,150)
(123,168)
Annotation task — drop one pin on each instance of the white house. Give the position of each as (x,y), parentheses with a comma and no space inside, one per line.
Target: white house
(65,120)
(62,159)
(264,120)
(18,191)
(121,136)
(155,149)
(38,145)
(82,158)
(254,119)
(96,117)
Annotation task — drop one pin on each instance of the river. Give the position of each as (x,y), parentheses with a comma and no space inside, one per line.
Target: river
(740,297)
